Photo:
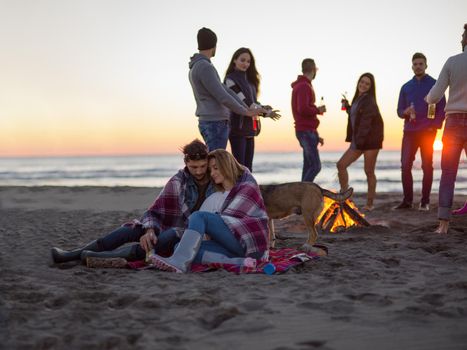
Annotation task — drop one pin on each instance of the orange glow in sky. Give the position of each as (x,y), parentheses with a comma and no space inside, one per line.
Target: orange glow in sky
(111,77)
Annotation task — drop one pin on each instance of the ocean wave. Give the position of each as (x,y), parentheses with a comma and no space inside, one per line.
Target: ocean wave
(268,168)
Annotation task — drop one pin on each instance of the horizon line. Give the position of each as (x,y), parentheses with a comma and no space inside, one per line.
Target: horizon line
(91,155)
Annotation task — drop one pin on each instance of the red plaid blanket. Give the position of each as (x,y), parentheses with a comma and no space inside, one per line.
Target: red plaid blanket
(283,259)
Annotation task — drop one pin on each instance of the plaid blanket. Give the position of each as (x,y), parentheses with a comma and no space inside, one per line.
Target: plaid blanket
(282,258)
(169,210)
(245,214)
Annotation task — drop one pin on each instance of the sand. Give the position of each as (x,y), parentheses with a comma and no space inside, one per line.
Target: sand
(395,285)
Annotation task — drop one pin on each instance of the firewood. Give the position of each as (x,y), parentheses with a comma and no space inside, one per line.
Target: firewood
(355,215)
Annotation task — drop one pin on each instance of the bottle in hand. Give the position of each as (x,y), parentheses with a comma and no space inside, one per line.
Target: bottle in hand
(431,111)
(344,102)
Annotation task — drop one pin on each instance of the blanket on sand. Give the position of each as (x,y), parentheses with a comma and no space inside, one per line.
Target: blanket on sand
(283,259)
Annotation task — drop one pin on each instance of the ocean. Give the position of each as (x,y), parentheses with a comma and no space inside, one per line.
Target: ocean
(155,170)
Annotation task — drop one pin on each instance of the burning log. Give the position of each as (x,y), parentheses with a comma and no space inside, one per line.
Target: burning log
(338,216)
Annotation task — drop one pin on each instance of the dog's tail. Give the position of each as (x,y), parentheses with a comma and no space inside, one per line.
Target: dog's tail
(339,197)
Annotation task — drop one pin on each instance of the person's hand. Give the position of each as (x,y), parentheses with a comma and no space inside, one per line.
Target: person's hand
(407,111)
(321,141)
(273,114)
(148,240)
(322,109)
(346,103)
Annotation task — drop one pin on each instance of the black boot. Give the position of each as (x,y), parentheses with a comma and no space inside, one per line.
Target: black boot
(61,256)
(128,252)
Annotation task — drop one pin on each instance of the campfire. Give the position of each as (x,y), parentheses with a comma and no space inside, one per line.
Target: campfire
(338,216)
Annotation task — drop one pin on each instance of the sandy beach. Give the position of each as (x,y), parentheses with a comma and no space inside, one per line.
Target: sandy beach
(394,285)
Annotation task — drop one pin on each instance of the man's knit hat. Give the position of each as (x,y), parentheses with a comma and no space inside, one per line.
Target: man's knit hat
(207,39)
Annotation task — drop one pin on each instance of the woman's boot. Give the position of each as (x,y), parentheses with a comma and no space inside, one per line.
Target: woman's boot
(128,252)
(61,256)
(184,254)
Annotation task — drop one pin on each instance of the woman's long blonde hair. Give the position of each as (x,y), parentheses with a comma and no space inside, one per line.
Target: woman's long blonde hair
(227,165)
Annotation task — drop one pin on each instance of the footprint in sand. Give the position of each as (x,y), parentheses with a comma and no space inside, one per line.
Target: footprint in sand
(48,342)
(371,298)
(29,297)
(57,302)
(147,304)
(122,302)
(390,262)
(313,344)
(252,305)
(436,248)
(432,299)
(217,317)
(93,297)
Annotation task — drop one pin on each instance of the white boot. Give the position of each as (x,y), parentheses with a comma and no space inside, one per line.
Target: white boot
(184,254)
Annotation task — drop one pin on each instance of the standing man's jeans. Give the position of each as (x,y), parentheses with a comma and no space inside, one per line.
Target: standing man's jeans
(411,142)
(243,149)
(454,140)
(215,133)
(311,162)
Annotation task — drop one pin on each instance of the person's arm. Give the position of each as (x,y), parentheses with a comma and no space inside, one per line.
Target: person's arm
(235,90)
(437,91)
(304,105)
(439,113)
(219,91)
(152,218)
(402,105)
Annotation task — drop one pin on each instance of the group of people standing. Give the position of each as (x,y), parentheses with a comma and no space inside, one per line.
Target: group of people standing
(365,126)
(421,125)
(228,110)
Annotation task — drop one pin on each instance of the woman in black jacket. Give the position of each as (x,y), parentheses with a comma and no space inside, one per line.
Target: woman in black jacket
(365,130)
(243,79)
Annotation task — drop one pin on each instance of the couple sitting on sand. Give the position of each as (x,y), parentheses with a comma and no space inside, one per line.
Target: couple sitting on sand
(222,219)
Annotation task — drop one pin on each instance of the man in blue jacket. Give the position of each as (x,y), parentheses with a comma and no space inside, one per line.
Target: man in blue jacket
(213,99)
(419,131)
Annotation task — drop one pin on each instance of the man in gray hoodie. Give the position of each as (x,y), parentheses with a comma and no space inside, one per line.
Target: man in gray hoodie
(214,100)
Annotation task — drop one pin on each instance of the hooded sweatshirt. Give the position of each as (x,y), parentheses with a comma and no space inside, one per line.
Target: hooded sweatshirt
(213,99)
(304,109)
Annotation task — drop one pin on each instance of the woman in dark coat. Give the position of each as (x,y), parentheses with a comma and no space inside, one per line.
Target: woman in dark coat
(243,79)
(365,131)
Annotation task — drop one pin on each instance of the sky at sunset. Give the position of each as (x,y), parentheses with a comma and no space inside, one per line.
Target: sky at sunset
(94,77)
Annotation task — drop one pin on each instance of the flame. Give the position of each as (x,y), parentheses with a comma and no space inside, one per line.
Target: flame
(438,145)
(333,209)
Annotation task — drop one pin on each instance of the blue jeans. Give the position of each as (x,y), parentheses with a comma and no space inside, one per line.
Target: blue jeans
(454,140)
(125,234)
(311,162)
(411,142)
(222,240)
(243,149)
(215,133)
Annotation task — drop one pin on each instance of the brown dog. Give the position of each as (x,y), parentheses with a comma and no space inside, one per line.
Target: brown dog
(302,198)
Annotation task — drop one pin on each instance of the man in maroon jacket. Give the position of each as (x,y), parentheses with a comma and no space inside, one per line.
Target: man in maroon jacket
(305,114)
